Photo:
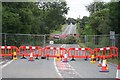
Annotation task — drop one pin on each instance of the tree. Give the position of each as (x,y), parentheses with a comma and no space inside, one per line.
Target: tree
(34,18)
(95,6)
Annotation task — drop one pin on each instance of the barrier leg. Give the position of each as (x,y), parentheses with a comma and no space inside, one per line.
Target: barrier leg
(15,56)
(73,59)
(37,57)
(98,59)
(86,58)
(43,57)
(23,57)
(58,57)
(47,58)
(92,59)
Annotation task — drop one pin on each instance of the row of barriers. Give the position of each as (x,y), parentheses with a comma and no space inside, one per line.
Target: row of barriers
(107,52)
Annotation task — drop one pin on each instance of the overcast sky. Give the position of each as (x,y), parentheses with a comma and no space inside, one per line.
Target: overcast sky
(77,8)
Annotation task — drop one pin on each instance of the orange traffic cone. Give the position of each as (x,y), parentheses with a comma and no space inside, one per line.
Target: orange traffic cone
(31,57)
(100,63)
(65,58)
(118,73)
(104,66)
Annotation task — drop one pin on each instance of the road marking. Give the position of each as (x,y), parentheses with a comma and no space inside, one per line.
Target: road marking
(57,68)
(6,64)
(75,72)
(1,62)
(67,66)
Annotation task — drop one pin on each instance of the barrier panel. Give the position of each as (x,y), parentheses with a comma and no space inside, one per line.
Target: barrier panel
(49,51)
(80,52)
(8,50)
(26,50)
(53,51)
(63,51)
(107,52)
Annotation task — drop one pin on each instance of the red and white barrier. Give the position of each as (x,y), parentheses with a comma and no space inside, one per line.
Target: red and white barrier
(52,51)
(8,50)
(80,52)
(26,50)
(49,51)
(108,52)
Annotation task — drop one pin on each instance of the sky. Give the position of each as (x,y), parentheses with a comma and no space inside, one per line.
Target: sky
(77,8)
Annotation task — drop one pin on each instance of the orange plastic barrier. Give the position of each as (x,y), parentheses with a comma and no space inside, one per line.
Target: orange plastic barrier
(52,51)
(8,50)
(63,51)
(80,52)
(107,52)
(26,50)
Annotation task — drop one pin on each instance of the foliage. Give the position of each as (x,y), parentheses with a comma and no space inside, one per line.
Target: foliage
(68,40)
(34,18)
(104,17)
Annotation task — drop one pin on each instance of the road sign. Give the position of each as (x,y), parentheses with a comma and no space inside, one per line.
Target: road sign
(51,42)
(112,34)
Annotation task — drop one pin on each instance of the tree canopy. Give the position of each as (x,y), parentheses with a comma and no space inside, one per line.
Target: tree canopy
(104,17)
(29,17)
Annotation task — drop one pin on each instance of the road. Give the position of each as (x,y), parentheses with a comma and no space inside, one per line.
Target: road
(88,70)
(70,29)
(42,68)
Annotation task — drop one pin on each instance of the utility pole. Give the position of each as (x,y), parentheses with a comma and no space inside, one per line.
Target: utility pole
(94,7)
(5,39)
(44,41)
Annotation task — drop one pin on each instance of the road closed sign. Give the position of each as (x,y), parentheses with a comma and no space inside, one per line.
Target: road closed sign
(51,42)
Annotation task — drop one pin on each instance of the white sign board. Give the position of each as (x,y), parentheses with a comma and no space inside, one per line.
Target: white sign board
(112,34)
(51,42)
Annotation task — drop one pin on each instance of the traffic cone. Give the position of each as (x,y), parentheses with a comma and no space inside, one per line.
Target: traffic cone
(92,59)
(65,58)
(15,56)
(100,63)
(118,73)
(73,59)
(104,66)
(31,57)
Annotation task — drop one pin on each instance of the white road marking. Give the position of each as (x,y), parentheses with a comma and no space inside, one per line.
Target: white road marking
(75,72)
(1,62)
(6,64)
(57,68)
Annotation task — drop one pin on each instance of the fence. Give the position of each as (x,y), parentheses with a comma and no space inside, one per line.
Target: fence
(94,41)
(22,39)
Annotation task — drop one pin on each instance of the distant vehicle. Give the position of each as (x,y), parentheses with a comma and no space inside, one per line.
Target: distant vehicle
(57,36)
